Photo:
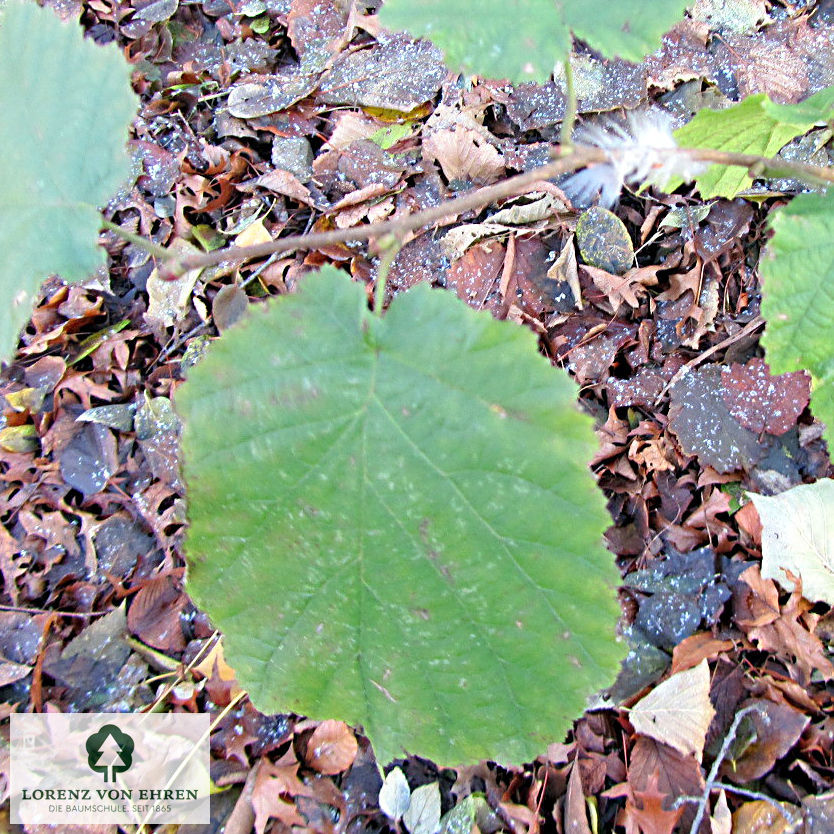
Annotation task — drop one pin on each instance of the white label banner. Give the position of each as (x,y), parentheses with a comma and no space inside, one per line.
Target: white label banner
(109,768)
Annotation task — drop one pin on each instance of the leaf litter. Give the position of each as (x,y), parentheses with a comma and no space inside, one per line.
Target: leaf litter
(92,501)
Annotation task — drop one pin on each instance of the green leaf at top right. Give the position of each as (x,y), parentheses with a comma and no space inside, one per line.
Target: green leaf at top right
(522,40)
(756,125)
(798,272)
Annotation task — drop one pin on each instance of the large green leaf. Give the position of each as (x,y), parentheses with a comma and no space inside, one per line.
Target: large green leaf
(522,40)
(629,29)
(66,105)
(392,522)
(755,126)
(798,271)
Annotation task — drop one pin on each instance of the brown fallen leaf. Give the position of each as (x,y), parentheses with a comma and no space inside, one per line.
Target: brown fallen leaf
(331,748)
(575,815)
(628,288)
(763,402)
(463,155)
(11,672)
(214,666)
(791,637)
(679,775)
(678,712)
(474,277)
(275,789)
(701,646)
(759,818)
(154,614)
(756,599)
(648,811)
(777,728)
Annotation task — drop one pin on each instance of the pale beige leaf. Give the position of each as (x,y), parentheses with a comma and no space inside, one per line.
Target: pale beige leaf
(423,813)
(394,795)
(463,155)
(456,241)
(565,269)
(168,300)
(798,536)
(722,820)
(530,209)
(678,712)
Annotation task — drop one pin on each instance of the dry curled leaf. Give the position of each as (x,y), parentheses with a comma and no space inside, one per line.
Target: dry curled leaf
(464,155)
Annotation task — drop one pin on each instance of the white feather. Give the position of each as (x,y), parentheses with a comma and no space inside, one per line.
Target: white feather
(641,152)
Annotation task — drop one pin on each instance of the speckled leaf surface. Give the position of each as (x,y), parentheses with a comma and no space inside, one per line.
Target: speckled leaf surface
(798,271)
(393,523)
(522,40)
(66,107)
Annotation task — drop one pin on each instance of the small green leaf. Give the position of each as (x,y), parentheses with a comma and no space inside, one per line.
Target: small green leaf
(798,272)
(460,818)
(748,128)
(385,137)
(522,40)
(66,107)
(19,438)
(393,523)
(797,536)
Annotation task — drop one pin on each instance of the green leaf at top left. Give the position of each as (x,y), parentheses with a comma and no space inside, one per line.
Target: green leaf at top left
(66,107)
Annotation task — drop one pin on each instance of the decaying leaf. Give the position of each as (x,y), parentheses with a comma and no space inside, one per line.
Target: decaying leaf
(798,536)
(168,299)
(332,747)
(776,728)
(249,100)
(648,808)
(678,712)
(463,155)
(704,425)
(760,817)
(604,241)
(761,401)
(276,787)
(679,774)
(400,74)
(565,269)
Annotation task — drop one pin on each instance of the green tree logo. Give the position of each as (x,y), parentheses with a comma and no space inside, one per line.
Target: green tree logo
(109,751)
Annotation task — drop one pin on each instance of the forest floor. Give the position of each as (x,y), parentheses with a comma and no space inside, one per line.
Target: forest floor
(340,123)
